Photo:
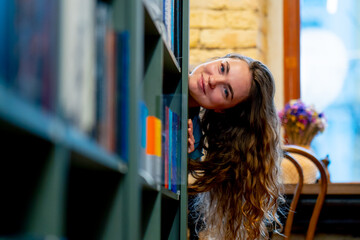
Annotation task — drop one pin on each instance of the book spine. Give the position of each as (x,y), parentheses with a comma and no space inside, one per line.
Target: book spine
(167,9)
(101,77)
(148,167)
(170,147)
(110,127)
(178,154)
(174,152)
(77,64)
(172,22)
(105,92)
(178,28)
(144,112)
(6,28)
(166,146)
(28,50)
(157,163)
(152,162)
(122,81)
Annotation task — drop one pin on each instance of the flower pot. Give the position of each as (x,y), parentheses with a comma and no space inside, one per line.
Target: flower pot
(290,174)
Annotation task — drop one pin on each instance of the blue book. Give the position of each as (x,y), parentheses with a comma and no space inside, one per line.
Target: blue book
(178,153)
(122,102)
(172,6)
(36,37)
(178,30)
(170,147)
(144,112)
(9,54)
(174,153)
(5,11)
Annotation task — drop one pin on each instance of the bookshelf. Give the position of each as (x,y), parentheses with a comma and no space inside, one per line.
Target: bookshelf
(93,119)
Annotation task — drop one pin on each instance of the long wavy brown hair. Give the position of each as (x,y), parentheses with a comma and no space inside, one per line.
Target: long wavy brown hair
(238,183)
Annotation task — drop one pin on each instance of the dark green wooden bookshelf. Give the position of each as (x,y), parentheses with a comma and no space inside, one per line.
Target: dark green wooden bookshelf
(59,182)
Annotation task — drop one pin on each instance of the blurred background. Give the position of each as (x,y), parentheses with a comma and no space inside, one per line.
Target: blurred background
(329,62)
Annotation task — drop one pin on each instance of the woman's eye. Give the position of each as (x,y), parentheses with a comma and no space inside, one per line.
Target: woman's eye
(226,91)
(222,68)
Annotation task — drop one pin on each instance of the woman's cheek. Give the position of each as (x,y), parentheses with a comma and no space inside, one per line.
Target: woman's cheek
(218,95)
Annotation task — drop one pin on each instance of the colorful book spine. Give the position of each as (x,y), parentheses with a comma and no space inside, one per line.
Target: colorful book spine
(148,166)
(152,161)
(171,152)
(157,159)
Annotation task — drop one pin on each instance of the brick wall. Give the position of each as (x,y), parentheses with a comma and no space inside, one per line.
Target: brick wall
(218,27)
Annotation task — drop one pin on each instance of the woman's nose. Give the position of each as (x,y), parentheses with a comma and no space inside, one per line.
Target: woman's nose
(215,80)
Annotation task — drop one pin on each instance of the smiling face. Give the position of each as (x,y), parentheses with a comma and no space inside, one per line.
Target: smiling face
(219,84)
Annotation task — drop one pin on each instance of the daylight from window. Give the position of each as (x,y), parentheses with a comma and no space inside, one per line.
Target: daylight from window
(330,80)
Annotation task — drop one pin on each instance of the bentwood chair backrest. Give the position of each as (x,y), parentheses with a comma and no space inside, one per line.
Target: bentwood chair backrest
(296,196)
(288,150)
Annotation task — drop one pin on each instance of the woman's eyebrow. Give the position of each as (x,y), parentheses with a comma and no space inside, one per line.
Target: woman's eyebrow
(227,67)
(231,91)
(227,72)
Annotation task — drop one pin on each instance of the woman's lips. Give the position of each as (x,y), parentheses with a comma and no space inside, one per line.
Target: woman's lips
(202,85)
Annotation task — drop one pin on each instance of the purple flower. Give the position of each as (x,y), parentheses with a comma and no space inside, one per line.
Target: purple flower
(297,114)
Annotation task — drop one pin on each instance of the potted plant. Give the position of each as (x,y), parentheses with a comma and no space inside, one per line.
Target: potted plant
(301,123)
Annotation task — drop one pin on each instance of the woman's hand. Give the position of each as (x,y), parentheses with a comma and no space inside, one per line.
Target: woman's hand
(191,139)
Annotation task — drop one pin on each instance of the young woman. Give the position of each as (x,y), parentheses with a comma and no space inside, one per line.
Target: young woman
(237,182)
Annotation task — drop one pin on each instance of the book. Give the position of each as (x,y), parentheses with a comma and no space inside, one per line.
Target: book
(148,169)
(122,94)
(171,143)
(99,132)
(77,64)
(144,112)
(110,125)
(151,168)
(178,30)
(172,7)
(157,158)
(167,18)
(166,148)
(169,164)
(7,11)
(174,155)
(105,126)
(29,50)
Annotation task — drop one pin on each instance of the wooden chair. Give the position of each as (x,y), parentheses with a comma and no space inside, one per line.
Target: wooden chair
(288,149)
(296,196)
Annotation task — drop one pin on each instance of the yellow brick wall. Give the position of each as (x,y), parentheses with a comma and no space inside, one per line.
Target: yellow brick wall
(218,27)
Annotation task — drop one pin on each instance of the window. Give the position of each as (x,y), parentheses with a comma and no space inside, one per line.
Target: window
(330,80)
